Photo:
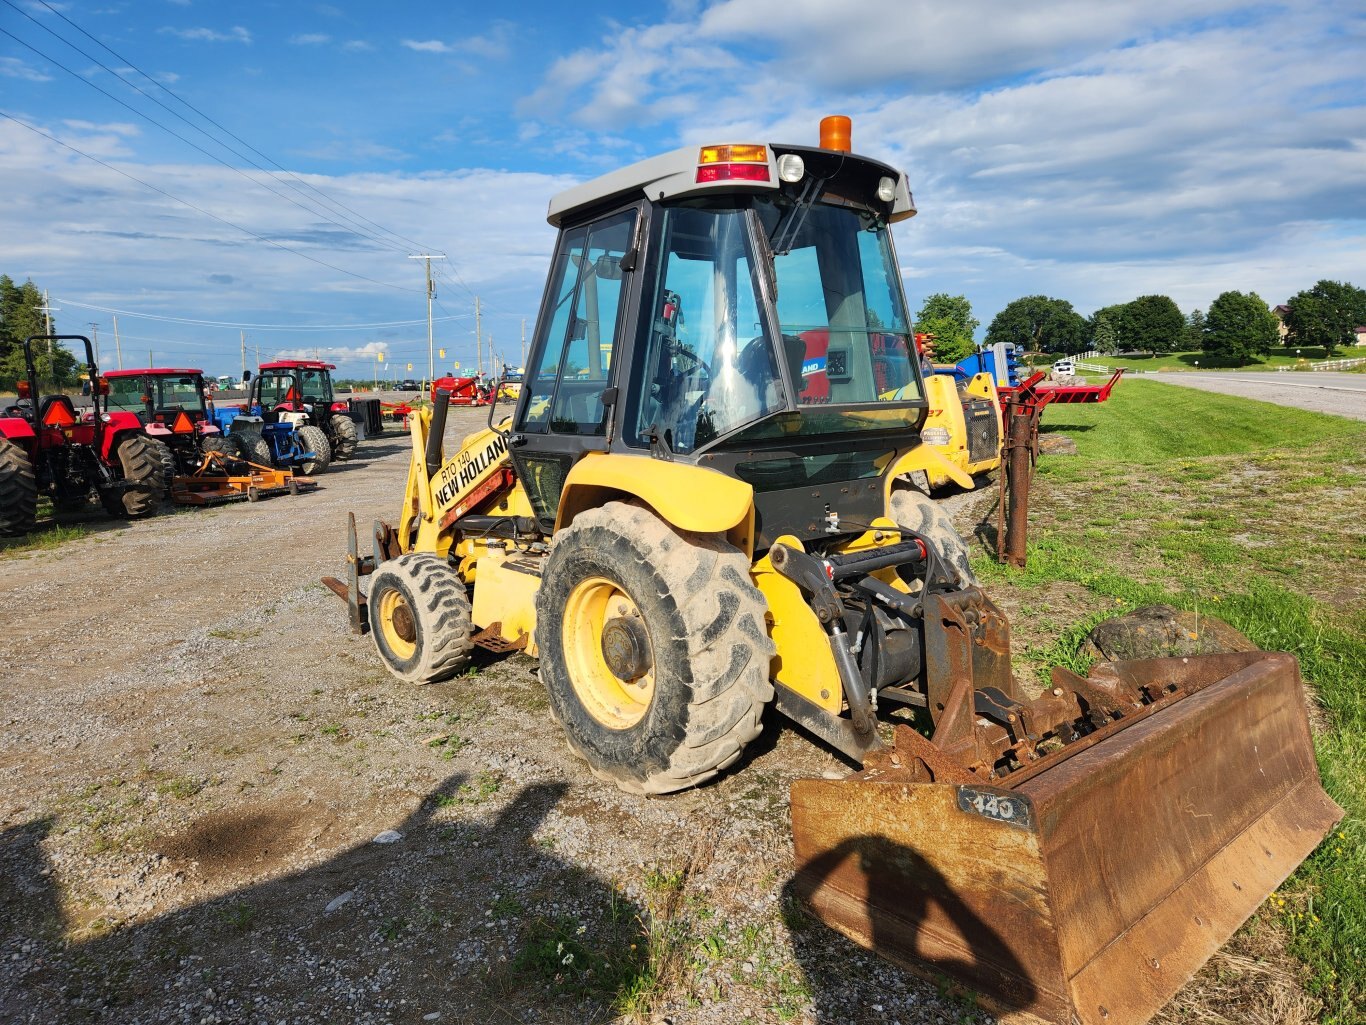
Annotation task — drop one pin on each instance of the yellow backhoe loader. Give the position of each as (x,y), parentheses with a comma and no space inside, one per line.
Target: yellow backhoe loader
(701,504)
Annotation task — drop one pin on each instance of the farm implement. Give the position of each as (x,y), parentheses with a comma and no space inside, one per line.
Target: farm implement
(685,528)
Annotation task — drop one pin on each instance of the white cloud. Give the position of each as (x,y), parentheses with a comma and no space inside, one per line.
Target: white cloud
(236,34)
(356,46)
(311,39)
(121,128)
(13,67)
(426,45)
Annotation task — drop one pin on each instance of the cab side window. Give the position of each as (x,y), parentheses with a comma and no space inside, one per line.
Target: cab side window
(575,356)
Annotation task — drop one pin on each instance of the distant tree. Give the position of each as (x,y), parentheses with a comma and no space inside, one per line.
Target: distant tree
(1104,337)
(21,316)
(949,318)
(1038,322)
(1153,323)
(1240,327)
(1114,316)
(1195,330)
(1327,315)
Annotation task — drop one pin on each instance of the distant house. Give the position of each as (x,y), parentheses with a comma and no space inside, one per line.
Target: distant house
(1361,335)
(1281,311)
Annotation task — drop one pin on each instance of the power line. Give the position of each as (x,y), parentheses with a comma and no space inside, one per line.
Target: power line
(335,204)
(312,211)
(198,209)
(259,327)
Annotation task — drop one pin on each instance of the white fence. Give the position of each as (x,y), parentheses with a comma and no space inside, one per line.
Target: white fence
(1338,364)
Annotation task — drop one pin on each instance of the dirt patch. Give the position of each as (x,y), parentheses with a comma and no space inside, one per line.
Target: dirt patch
(235,840)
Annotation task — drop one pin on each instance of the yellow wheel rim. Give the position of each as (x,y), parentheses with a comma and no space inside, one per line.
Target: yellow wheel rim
(614,702)
(398,623)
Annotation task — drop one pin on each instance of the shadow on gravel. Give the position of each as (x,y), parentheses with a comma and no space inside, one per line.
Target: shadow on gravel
(846,983)
(466,915)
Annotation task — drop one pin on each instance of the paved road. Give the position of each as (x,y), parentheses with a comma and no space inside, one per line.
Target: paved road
(1321,392)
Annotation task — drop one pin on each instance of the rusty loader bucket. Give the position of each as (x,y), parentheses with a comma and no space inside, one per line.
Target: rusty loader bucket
(1079,862)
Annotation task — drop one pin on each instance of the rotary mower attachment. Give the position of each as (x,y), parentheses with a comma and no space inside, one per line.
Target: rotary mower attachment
(1073,858)
(222,478)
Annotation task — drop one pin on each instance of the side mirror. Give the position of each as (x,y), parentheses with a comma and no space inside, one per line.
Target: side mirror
(85,387)
(246,376)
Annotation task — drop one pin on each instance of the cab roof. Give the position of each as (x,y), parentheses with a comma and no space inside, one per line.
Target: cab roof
(676,174)
(297,364)
(154,372)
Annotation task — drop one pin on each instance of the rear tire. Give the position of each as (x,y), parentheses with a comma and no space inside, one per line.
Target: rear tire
(254,449)
(169,467)
(420,617)
(345,437)
(314,440)
(18,491)
(228,444)
(653,649)
(141,464)
(916,511)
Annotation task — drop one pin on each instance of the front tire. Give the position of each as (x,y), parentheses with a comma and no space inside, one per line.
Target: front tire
(18,491)
(420,617)
(314,440)
(653,649)
(228,445)
(344,437)
(916,511)
(141,463)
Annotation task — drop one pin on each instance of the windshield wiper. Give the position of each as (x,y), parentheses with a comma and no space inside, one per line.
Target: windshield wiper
(790,223)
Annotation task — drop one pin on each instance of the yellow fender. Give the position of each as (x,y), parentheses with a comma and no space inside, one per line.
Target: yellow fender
(688,497)
(927,458)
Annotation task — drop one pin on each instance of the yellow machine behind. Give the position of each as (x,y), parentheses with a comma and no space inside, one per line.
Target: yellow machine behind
(684,537)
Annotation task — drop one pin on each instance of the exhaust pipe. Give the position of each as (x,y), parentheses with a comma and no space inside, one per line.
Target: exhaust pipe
(436,431)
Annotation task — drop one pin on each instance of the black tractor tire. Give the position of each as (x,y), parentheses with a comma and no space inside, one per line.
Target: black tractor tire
(704,639)
(344,436)
(254,449)
(228,444)
(420,617)
(915,510)
(141,463)
(169,466)
(315,441)
(18,491)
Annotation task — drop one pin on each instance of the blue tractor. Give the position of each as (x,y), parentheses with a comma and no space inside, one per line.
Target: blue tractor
(274,439)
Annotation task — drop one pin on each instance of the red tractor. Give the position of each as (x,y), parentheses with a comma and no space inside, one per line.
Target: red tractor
(171,405)
(299,391)
(465,391)
(48,447)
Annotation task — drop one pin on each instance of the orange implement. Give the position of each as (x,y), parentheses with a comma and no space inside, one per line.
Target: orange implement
(1087,884)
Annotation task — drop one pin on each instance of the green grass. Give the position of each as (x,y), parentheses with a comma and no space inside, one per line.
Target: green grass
(42,539)
(1253,513)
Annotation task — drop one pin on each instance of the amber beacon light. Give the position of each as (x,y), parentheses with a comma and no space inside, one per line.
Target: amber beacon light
(835,131)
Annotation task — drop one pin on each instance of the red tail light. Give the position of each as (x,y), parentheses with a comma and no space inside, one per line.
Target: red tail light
(733,172)
(25,392)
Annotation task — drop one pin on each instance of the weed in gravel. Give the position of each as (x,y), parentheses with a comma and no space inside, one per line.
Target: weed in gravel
(238,917)
(228,634)
(484,786)
(180,787)
(43,539)
(447,746)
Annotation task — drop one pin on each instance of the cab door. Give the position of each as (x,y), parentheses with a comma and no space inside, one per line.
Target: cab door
(567,397)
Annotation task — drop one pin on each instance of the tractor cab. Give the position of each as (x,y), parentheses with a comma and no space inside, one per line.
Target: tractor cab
(734,306)
(164,399)
(294,386)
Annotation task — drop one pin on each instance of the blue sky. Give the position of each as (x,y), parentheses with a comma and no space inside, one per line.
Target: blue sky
(1093,152)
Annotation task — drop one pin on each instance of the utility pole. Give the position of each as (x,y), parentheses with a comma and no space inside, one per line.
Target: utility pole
(47,311)
(95,339)
(118,349)
(244,355)
(523,345)
(478,338)
(431,292)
